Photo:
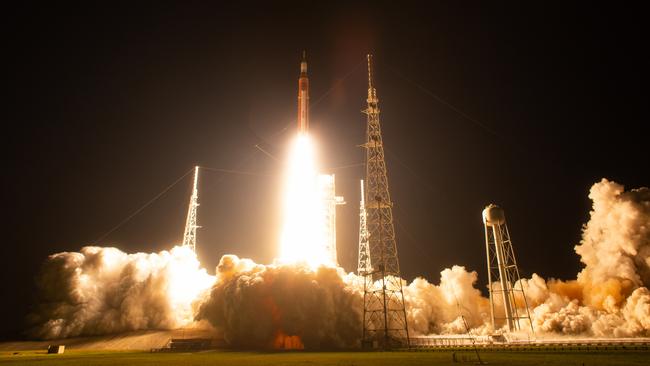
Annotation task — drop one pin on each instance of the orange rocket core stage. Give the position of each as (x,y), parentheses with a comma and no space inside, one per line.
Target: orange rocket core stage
(303,97)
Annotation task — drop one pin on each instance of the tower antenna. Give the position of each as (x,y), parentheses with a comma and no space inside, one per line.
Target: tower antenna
(384,313)
(189,236)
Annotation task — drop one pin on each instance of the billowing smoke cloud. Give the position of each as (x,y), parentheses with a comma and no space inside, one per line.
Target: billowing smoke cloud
(615,244)
(610,296)
(440,309)
(285,306)
(104,290)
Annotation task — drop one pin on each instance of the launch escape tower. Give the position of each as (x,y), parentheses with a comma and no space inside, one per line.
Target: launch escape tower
(502,269)
(384,314)
(189,237)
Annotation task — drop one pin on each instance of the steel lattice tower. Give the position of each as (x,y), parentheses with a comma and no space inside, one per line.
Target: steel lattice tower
(189,236)
(364,253)
(502,269)
(384,314)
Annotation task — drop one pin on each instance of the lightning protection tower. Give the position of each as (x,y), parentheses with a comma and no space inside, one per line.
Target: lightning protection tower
(364,253)
(502,271)
(189,236)
(384,314)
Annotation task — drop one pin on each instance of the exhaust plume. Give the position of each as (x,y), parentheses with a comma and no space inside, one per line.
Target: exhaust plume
(295,306)
(104,290)
(283,306)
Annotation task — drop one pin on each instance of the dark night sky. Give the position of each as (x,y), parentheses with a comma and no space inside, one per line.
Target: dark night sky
(109,105)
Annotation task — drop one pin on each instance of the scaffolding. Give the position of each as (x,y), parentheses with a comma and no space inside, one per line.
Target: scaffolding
(384,319)
(189,236)
(364,252)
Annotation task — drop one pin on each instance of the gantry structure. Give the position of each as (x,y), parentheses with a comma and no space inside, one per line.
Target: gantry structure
(384,313)
(189,236)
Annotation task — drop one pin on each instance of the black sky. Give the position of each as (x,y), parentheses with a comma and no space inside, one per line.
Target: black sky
(109,104)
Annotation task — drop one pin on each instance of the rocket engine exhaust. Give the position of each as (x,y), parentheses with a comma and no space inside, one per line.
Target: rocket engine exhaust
(104,291)
(303,300)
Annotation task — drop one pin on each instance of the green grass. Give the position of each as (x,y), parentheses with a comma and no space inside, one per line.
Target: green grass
(218,358)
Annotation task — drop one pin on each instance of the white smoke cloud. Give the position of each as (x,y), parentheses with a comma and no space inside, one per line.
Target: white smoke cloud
(438,309)
(609,297)
(104,290)
(616,241)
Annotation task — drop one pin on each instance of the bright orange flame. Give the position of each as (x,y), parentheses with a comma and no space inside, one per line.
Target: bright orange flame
(287,342)
(303,239)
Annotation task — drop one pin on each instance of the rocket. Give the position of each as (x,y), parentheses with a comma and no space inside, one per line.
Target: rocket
(303,97)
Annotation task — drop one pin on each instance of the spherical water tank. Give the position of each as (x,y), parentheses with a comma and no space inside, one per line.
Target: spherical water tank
(494,215)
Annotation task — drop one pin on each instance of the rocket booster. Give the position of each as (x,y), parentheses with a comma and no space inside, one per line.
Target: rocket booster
(303,97)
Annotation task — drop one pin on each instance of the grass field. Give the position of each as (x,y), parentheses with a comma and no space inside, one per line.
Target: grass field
(568,358)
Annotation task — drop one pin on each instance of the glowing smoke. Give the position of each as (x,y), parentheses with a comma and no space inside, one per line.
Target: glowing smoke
(103,290)
(616,242)
(286,306)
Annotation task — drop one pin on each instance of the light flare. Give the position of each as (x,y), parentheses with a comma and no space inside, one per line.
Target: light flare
(303,239)
(187,281)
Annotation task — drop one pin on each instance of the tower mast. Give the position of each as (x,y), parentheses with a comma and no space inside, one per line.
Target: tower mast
(189,236)
(384,318)
(364,254)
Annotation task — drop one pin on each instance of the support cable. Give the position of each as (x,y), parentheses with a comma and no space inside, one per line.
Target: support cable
(444,102)
(469,334)
(132,215)
(231,171)
(161,193)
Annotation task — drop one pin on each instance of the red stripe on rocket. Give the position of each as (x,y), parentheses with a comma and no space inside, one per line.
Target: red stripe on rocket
(303,96)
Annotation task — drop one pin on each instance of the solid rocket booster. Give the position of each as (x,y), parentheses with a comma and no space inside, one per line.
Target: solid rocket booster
(303,96)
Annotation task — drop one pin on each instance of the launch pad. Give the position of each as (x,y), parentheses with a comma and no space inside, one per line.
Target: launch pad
(309,242)
(442,357)
(508,342)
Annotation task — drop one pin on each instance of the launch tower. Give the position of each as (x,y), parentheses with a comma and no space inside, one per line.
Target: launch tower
(384,313)
(502,270)
(329,201)
(189,237)
(364,253)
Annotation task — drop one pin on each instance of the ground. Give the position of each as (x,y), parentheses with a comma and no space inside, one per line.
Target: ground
(564,358)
